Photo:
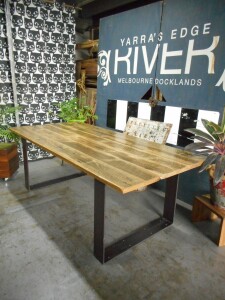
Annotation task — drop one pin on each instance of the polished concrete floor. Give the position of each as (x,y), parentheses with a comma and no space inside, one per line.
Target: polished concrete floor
(46,245)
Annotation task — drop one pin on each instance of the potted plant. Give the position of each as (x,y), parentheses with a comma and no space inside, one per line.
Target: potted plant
(9,159)
(75,111)
(212,144)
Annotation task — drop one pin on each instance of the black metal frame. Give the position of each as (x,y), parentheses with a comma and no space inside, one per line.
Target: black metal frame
(105,253)
(43,183)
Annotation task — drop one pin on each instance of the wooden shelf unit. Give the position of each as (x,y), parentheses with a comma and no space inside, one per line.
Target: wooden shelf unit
(9,159)
(204,210)
(86,71)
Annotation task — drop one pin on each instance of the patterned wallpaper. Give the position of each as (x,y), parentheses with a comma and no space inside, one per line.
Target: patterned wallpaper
(6,90)
(43,46)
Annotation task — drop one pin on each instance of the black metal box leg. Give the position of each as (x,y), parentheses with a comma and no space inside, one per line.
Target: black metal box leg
(25,162)
(99,220)
(43,183)
(103,253)
(170,198)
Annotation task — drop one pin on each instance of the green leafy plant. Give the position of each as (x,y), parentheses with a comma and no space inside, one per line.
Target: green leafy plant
(5,133)
(75,111)
(212,144)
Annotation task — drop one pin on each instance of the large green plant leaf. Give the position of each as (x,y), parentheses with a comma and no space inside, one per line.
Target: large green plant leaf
(5,132)
(75,109)
(203,152)
(8,135)
(223,121)
(208,161)
(202,139)
(211,127)
(200,133)
(218,132)
(197,146)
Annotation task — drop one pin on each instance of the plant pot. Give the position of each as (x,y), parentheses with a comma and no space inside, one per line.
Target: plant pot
(9,159)
(217,192)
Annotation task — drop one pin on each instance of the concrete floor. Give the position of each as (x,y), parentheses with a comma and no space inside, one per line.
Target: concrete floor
(46,241)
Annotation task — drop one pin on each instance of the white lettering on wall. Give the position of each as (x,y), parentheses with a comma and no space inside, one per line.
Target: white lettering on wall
(160,36)
(122,41)
(136,51)
(173,34)
(183,32)
(122,59)
(135,40)
(207,52)
(206,28)
(166,54)
(222,81)
(148,67)
(133,56)
(142,39)
(128,42)
(194,31)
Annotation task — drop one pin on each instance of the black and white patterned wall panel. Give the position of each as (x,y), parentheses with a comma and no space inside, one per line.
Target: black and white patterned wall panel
(44,54)
(119,111)
(6,90)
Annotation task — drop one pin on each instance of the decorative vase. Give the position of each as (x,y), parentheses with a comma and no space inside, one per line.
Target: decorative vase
(217,192)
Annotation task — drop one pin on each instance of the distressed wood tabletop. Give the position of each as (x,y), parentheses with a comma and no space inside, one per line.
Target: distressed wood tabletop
(122,162)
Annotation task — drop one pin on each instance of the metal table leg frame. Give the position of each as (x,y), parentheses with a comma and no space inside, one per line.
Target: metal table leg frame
(170,198)
(102,253)
(25,164)
(43,183)
(99,221)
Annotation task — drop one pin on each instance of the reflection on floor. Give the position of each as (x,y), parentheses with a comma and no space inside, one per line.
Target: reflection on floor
(46,240)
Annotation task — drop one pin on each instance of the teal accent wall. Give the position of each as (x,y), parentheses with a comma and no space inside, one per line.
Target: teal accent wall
(178,45)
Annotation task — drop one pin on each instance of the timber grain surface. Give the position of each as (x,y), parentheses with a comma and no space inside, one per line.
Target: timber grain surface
(122,162)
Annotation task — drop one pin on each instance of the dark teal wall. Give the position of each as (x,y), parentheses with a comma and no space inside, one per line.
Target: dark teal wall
(191,183)
(189,68)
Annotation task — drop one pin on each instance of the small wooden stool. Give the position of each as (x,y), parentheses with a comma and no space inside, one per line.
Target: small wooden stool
(204,210)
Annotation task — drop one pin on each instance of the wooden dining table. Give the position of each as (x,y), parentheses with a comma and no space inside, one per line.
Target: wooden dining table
(122,162)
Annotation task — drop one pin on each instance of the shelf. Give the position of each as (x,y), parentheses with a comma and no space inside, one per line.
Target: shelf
(91,45)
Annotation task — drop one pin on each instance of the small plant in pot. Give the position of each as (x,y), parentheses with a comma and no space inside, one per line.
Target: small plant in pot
(74,110)
(212,144)
(6,135)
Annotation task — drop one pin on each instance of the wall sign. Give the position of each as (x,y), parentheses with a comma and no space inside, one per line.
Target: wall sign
(178,47)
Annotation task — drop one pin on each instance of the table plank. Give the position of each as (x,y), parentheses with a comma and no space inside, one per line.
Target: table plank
(123,162)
